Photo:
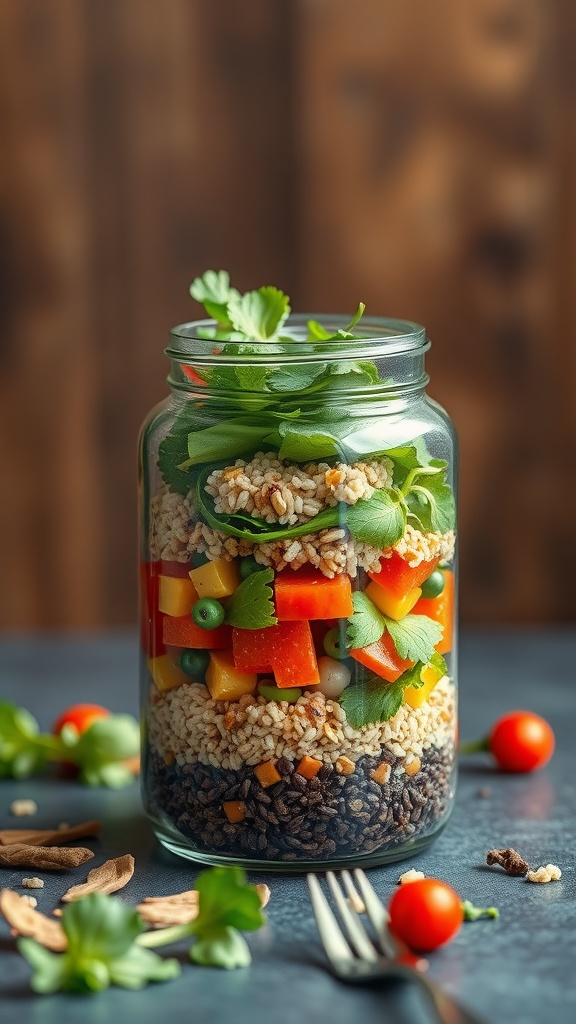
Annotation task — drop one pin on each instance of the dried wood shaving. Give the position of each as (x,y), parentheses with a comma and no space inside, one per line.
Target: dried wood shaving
(509,859)
(53,858)
(24,920)
(108,877)
(182,907)
(49,836)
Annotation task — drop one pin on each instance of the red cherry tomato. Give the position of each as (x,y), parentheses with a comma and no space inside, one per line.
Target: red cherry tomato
(521,742)
(81,716)
(425,914)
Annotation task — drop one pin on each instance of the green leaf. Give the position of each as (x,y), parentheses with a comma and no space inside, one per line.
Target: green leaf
(414,636)
(296,378)
(221,947)
(379,520)
(139,966)
(100,927)
(173,451)
(23,750)
(105,743)
(306,442)
(367,624)
(438,662)
(226,440)
(49,970)
(371,701)
(316,332)
(213,291)
(259,314)
(251,606)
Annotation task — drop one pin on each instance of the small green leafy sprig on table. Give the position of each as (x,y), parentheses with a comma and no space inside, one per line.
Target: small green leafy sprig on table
(98,753)
(107,944)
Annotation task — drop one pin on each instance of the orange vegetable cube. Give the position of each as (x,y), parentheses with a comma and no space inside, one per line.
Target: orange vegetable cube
(308,594)
(267,774)
(396,576)
(223,679)
(216,579)
(183,632)
(287,650)
(234,810)
(441,609)
(416,695)
(381,773)
(309,766)
(176,596)
(382,658)
(167,675)
(389,603)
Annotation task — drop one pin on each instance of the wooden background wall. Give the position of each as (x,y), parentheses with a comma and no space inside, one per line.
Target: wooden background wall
(418,155)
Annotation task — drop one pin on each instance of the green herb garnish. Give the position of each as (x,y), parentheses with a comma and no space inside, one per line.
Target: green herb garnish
(251,606)
(376,700)
(414,636)
(101,932)
(472,913)
(227,906)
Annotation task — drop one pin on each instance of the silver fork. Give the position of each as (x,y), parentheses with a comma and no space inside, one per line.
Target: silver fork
(367,962)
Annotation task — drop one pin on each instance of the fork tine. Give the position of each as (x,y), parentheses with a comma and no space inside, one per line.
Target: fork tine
(335,945)
(351,921)
(376,913)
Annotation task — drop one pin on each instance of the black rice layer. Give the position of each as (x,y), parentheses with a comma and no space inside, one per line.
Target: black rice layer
(297,818)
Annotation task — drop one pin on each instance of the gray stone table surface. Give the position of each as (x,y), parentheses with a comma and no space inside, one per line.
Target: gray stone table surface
(519,969)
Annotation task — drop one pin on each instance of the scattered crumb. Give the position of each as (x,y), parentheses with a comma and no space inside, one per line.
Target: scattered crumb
(32,883)
(30,900)
(508,859)
(411,876)
(550,873)
(23,808)
(63,826)
(484,793)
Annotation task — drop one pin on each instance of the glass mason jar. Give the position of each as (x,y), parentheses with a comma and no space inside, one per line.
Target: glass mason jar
(298,599)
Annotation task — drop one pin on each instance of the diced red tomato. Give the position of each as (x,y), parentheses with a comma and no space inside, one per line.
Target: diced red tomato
(382,658)
(150,618)
(178,570)
(441,609)
(182,631)
(308,594)
(398,577)
(286,649)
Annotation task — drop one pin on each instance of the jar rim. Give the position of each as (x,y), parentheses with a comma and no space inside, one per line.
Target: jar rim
(194,341)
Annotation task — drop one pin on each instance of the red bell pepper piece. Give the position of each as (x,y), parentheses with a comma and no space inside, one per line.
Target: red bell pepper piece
(150,618)
(287,650)
(308,594)
(182,631)
(178,570)
(441,609)
(382,658)
(398,577)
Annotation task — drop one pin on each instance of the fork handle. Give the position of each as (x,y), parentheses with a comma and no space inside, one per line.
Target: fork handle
(447,1010)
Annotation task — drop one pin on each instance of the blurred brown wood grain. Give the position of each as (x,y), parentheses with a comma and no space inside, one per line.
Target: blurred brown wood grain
(420,156)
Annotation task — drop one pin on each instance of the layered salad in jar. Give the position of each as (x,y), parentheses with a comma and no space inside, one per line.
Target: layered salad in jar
(297,608)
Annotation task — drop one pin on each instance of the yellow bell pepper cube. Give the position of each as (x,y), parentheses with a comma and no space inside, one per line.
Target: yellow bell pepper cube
(416,695)
(165,673)
(176,596)
(389,604)
(215,579)
(223,679)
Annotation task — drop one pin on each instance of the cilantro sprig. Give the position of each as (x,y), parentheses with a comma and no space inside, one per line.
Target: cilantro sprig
(414,636)
(251,606)
(98,753)
(376,700)
(227,905)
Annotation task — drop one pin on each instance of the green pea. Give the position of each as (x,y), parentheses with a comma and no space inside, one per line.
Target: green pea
(249,565)
(194,663)
(269,692)
(335,643)
(208,613)
(434,585)
(199,558)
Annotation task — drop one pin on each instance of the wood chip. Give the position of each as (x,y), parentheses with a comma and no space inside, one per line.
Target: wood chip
(49,836)
(24,920)
(52,858)
(182,907)
(108,877)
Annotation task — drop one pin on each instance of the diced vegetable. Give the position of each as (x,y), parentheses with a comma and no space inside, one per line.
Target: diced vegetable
(167,675)
(234,810)
(270,692)
(208,613)
(334,677)
(183,632)
(393,606)
(178,569)
(381,773)
(441,609)
(225,681)
(80,716)
(267,774)
(175,596)
(415,696)
(216,579)
(308,766)
(334,642)
(308,594)
(398,577)
(287,650)
(194,664)
(382,658)
(434,585)
(150,617)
